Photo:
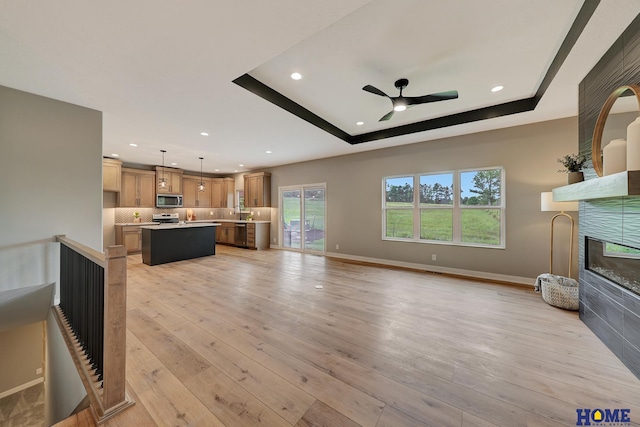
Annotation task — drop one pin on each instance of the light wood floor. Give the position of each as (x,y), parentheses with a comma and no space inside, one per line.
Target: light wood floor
(245,338)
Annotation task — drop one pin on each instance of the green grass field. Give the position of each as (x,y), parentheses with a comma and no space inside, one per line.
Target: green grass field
(480,226)
(314,214)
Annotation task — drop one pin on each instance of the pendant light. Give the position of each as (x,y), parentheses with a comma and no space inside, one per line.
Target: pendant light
(162,182)
(201,183)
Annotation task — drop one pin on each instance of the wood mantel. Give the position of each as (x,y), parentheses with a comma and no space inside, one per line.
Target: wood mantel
(621,184)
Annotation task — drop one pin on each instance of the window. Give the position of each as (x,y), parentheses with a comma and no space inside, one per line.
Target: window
(240,199)
(399,207)
(434,214)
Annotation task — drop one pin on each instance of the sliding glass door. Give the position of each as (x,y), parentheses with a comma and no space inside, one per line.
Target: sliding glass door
(303,218)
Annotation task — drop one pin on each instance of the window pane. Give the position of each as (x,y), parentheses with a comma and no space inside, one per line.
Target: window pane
(291,219)
(481,226)
(480,188)
(314,219)
(399,191)
(436,224)
(436,190)
(399,223)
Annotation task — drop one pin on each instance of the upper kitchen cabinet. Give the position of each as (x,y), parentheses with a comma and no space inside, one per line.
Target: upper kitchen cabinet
(174,180)
(111,175)
(257,190)
(194,198)
(222,190)
(138,189)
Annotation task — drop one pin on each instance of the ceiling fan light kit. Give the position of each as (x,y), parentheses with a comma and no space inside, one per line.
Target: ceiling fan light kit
(401,103)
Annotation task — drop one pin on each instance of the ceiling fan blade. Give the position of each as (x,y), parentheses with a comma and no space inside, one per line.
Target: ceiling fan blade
(387,116)
(374,90)
(434,97)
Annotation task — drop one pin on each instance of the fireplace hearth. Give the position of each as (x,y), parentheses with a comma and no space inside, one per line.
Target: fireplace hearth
(618,263)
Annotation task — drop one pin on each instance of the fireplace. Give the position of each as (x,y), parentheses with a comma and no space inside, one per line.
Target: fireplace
(615,262)
(610,286)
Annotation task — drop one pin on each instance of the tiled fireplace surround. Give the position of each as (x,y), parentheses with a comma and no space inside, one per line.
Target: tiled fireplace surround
(610,311)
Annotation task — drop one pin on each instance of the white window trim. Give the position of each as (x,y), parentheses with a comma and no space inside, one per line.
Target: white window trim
(457,208)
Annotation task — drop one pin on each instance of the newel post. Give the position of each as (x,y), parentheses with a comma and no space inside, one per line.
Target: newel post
(115,327)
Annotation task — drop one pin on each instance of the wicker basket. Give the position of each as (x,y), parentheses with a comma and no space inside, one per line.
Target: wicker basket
(562,293)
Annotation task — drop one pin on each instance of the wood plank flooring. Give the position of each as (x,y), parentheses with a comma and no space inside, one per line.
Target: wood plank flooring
(245,339)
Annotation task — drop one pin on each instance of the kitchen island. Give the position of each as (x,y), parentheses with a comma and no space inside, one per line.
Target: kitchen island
(176,242)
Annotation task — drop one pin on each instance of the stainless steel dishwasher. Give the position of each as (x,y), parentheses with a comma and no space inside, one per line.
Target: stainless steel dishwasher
(240,235)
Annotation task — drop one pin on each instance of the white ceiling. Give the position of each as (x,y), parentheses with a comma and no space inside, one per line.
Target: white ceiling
(161,71)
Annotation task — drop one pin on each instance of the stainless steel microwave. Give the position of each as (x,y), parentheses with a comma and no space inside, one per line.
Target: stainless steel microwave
(168,201)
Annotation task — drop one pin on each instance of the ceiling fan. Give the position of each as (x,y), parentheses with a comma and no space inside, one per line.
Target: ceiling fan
(401,103)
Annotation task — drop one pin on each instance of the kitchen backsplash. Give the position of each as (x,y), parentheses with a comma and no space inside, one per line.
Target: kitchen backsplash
(125,215)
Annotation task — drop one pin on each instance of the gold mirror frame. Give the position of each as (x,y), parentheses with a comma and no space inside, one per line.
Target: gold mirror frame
(596,142)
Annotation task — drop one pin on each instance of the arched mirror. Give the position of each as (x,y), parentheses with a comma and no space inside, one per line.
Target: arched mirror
(619,110)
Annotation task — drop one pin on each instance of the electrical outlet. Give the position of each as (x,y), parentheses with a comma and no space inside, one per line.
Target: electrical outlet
(211,213)
(274,240)
(338,247)
(434,257)
(39,371)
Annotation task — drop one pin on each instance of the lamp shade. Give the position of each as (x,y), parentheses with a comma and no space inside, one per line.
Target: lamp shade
(548,205)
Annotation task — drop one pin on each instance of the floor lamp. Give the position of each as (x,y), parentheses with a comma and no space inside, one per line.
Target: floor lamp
(547,204)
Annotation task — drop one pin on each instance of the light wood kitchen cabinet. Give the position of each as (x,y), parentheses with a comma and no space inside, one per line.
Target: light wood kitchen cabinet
(130,236)
(138,189)
(225,233)
(111,175)
(192,198)
(258,235)
(221,189)
(173,177)
(257,190)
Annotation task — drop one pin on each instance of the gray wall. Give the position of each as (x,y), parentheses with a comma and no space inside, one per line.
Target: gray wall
(50,169)
(529,155)
(51,175)
(63,387)
(22,351)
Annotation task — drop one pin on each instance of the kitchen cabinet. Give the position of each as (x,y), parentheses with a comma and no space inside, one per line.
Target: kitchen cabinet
(192,198)
(225,233)
(130,236)
(138,189)
(258,235)
(111,175)
(174,180)
(257,190)
(222,190)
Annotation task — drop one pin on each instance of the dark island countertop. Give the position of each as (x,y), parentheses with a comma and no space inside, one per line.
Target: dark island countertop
(165,243)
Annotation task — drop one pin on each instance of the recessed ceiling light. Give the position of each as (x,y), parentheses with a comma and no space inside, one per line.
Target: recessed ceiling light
(235,170)
(296,76)
(268,151)
(116,155)
(217,170)
(359,123)
(133,145)
(174,164)
(241,166)
(204,134)
(399,108)
(497,88)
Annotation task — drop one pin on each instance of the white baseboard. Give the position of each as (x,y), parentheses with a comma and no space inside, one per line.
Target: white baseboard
(437,269)
(21,387)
